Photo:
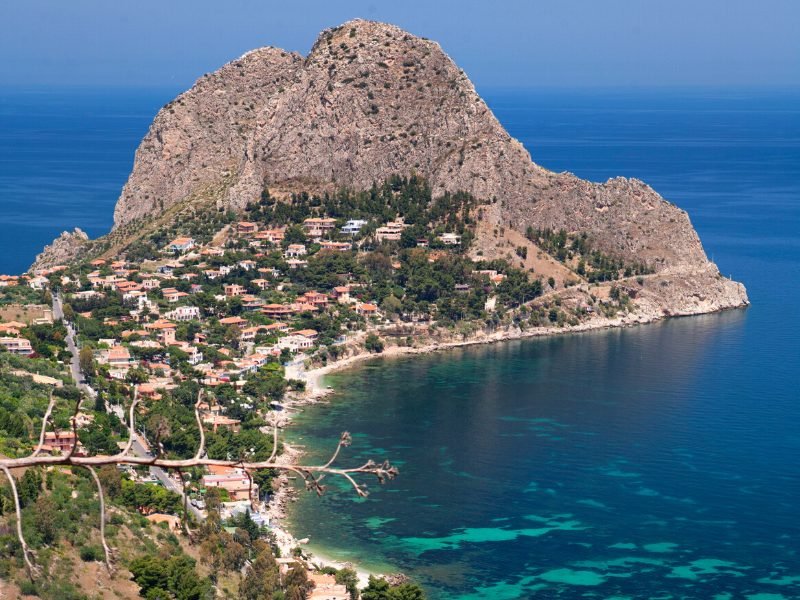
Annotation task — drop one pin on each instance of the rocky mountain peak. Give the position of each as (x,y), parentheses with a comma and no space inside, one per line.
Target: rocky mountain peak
(371,100)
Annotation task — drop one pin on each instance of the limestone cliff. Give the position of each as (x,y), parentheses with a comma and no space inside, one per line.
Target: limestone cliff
(371,100)
(65,247)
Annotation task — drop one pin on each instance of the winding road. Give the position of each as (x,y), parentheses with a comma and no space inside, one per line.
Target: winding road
(139,447)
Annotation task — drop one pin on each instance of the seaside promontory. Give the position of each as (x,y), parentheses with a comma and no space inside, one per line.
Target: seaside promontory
(370,101)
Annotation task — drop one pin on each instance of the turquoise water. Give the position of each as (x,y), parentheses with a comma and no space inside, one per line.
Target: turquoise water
(655,462)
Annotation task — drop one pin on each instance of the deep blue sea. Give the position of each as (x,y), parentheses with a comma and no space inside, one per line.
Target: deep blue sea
(64,157)
(654,462)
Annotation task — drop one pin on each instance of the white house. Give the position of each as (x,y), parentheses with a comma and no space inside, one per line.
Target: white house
(295,342)
(181,244)
(353,226)
(183,313)
(451,239)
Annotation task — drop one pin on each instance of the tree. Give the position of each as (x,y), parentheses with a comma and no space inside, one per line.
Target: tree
(263,577)
(137,375)
(377,589)
(373,343)
(86,360)
(29,487)
(69,313)
(297,584)
(160,577)
(406,591)
(44,519)
(349,579)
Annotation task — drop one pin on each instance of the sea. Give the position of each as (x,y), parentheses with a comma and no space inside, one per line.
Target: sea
(658,461)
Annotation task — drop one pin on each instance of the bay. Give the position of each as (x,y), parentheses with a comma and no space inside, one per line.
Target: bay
(657,461)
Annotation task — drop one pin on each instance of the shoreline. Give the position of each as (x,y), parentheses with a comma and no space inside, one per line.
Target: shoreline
(285,493)
(317,392)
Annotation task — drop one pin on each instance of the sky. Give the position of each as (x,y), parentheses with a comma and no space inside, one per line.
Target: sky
(500,43)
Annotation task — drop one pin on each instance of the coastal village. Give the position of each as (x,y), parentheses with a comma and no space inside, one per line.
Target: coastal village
(240,310)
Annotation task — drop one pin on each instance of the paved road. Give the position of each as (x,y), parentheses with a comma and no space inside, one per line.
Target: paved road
(138,448)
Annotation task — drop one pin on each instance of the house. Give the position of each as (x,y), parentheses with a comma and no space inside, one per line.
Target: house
(353,226)
(173,295)
(326,588)
(316,227)
(181,244)
(235,481)
(118,356)
(247,264)
(12,328)
(249,334)
(234,289)
(250,302)
(311,334)
(235,321)
(295,342)
(392,231)
(164,330)
(246,228)
(296,262)
(365,309)
(301,307)
(148,391)
(261,284)
(295,251)
(451,239)
(183,313)
(194,356)
(215,421)
(9,280)
(15,345)
(315,298)
(134,295)
(38,283)
(273,236)
(336,246)
(341,294)
(63,441)
(277,310)
(125,286)
(151,284)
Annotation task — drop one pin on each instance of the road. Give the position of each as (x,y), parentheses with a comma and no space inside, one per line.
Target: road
(139,446)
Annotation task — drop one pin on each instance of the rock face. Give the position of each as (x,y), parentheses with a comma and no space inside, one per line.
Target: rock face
(64,248)
(371,100)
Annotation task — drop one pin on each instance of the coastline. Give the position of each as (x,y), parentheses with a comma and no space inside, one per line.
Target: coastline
(316,391)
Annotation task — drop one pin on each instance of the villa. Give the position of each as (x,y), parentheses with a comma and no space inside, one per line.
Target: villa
(181,244)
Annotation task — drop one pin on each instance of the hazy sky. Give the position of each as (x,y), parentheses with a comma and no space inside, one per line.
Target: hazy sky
(513,43)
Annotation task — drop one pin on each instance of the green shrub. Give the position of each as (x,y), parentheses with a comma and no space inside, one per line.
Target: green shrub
(90,553)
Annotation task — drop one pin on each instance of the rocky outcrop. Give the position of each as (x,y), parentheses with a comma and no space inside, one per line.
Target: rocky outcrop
(65,248)
(371,100)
